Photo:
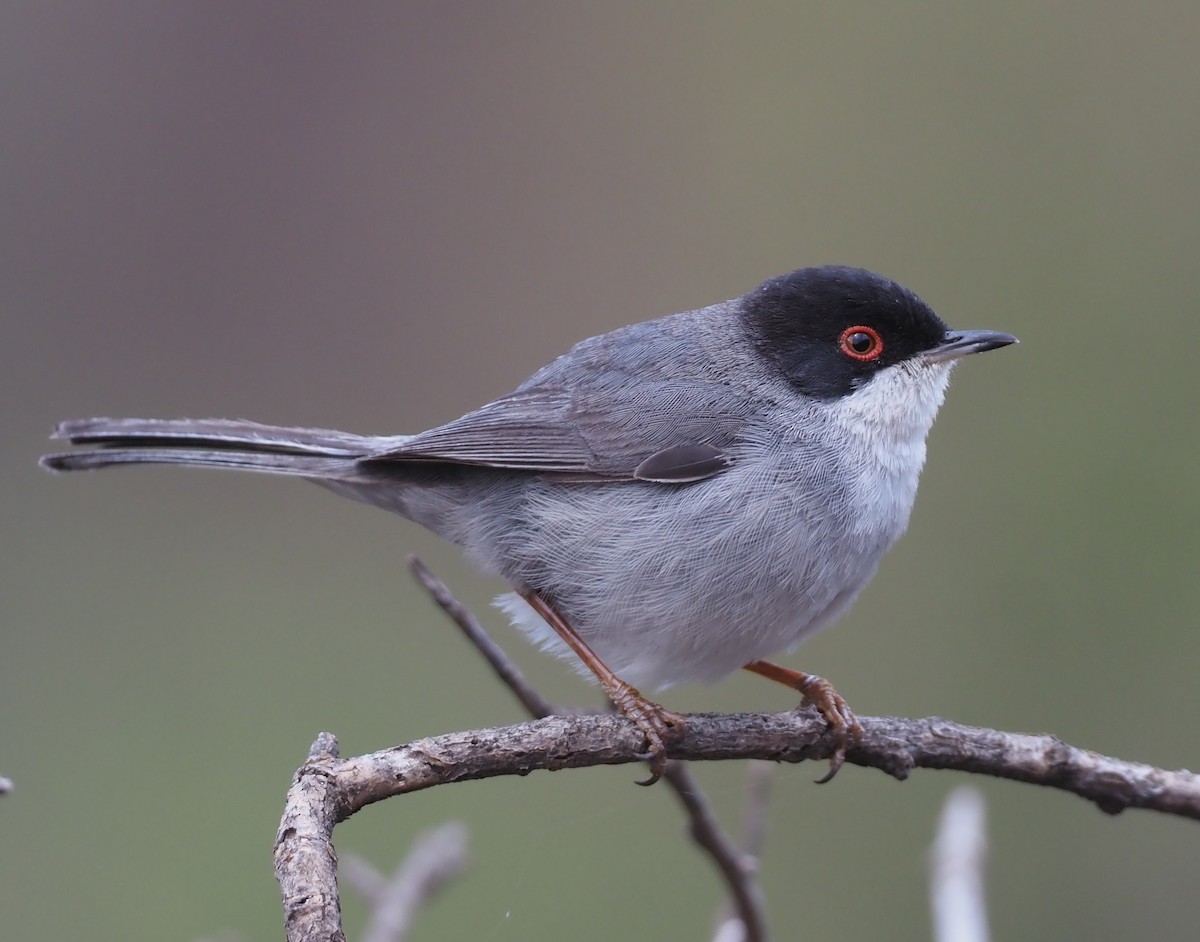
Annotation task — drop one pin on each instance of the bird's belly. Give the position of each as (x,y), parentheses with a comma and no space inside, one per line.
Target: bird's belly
(677,584)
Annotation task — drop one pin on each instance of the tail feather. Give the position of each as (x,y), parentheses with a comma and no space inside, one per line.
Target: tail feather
(218,443)
(301,465)
(213,433)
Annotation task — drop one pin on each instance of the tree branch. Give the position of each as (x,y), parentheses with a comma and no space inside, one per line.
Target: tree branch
(305,862)
(891,744)
(327,790)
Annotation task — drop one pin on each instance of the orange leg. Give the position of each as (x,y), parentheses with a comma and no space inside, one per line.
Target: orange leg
(653,721)
(818,692)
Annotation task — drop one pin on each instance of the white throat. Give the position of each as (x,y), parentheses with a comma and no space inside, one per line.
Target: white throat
(898,404)
(889,418)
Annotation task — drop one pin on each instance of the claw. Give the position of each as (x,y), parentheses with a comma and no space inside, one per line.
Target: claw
(658,767)
(843,724)
(818,692)
(656,723)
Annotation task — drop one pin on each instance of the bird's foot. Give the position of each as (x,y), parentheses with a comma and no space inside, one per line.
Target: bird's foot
(658,724)
(843,724)
(818,692)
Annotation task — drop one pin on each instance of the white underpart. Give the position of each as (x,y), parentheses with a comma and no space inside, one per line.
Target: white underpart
(757,551)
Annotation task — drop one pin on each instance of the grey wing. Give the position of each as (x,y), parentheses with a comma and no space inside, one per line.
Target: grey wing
(666,431)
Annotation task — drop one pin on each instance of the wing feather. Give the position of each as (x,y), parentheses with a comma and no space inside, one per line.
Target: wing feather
(596,434)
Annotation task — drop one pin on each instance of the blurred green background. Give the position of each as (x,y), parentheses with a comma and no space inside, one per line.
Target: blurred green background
(378,217)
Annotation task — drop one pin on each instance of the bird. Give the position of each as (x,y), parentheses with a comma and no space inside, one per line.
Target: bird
(670,501)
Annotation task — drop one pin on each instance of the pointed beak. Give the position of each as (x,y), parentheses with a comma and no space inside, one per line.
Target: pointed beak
(960,343)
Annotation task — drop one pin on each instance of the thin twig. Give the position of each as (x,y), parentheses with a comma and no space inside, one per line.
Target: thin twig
(739,873)
(759,776)
(956,869)
(360,875)
(436,857)
(508,672)
(753,834)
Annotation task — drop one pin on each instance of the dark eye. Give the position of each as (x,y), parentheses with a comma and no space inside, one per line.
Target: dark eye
(861,342)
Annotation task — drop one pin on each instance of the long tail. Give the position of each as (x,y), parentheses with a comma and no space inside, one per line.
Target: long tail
(217,443)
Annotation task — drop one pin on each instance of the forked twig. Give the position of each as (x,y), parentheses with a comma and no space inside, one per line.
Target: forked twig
(739,873)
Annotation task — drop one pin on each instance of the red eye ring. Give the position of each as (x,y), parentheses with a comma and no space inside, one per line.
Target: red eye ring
(861,342)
